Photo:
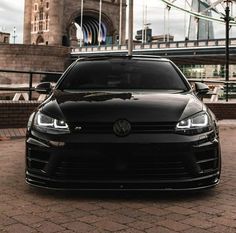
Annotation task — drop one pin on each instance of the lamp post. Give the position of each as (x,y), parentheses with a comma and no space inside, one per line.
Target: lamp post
(81,22)
(227,20)
(168,23)
(100,24)
(120,27)
(14,35)
(130,39)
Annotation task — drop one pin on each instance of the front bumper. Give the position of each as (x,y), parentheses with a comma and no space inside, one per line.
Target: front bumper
(136,162)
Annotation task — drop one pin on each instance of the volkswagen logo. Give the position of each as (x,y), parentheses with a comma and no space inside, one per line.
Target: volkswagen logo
(122,128)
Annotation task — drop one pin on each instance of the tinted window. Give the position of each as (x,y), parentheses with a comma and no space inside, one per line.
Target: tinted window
(123,74)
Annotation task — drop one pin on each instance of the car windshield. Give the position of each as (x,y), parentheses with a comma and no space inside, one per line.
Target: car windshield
(123,74)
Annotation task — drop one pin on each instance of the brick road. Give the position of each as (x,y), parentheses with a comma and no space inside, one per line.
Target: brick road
(24,209)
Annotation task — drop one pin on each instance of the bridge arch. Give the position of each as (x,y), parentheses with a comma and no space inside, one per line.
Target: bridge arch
(90,28)
(58,21)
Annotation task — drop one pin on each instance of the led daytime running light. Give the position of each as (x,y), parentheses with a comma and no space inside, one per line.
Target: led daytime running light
(196,121)
(62,125)
(57,124)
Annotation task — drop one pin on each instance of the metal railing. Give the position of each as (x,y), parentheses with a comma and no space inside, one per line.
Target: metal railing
(155,45)
(30,77)
(227,85)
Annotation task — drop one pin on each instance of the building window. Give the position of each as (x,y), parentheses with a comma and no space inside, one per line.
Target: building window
(47,25)
(35,7)
(41,15)
(5,40)
(40,26)
(47,5)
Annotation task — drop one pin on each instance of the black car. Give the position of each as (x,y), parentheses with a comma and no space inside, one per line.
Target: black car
(123,122)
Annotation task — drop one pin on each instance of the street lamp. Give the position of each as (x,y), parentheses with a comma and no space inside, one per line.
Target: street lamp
(81,22)
(227,20)
(120,26)
(100,24)
(14,35)
(130,39)
(166,34)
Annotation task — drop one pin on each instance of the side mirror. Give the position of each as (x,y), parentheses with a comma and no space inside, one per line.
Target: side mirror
(44,88)
(201,89)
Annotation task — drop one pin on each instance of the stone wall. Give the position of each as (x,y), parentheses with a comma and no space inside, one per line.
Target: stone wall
(16,114)
(223,110)
(31,58)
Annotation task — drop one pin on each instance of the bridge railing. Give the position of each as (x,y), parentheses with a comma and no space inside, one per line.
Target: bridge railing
(218,87)
(30,75)
(154,45)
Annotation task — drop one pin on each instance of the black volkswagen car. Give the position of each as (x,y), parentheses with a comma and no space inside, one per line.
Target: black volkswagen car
(123,122)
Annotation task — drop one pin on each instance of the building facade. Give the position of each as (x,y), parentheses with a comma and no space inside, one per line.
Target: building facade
(57,22)
(4,38)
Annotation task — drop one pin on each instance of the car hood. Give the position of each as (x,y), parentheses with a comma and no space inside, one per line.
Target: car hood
(104,106)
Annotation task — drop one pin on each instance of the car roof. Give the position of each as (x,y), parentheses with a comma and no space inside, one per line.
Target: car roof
(112,56)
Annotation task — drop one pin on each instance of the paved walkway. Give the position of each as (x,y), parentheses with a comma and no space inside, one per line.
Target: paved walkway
(6,134)
(24,209)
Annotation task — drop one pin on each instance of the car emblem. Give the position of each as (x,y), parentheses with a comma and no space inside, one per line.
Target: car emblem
(122,128)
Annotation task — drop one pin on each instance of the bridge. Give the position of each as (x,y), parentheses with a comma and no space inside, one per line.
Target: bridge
(205,52)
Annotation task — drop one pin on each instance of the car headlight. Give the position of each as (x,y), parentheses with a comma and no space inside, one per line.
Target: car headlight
(48,124)
(195,124)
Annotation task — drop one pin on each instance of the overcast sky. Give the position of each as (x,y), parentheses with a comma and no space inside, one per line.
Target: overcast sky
(12,15)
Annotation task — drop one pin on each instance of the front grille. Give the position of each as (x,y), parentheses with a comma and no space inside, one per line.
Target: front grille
(136,127)
(126,161)
(114,162)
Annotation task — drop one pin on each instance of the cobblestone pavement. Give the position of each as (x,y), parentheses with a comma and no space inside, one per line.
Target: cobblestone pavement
(24,209)
(12,133)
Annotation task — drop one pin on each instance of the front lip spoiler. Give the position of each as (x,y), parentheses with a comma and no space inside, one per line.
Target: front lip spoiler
(122,184)
(125,189)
